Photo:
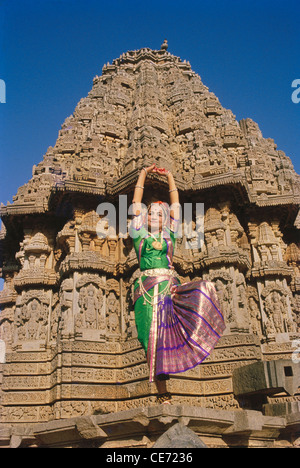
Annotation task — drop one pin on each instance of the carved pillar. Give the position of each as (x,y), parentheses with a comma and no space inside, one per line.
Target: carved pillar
(227,258)
(33,307)
(274,295)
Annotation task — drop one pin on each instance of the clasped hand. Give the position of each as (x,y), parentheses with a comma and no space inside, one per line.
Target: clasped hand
(158,170)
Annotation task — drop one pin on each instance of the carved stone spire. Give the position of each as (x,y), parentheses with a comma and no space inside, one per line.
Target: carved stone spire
(164,45)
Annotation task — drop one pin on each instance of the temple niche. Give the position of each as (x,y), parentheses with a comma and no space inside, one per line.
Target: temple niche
(69,346)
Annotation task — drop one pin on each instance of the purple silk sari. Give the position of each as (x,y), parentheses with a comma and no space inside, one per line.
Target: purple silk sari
(186,325)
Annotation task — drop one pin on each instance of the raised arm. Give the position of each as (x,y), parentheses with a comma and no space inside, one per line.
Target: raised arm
(173,191)
(139,189)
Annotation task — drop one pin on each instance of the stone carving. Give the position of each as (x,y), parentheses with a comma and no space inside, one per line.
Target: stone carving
(224,291)
(65,321)
(113,312)
(31,317)
(254,311)
(277,308)
(66,306)
(90,303)
(2,351)
(7,325)
(34,259)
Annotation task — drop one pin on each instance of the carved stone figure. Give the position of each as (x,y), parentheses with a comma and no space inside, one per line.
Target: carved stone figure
(255,316)
(275,312)
(90,302)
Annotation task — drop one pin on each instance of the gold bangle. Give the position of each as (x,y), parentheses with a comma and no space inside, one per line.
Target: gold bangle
(173,190)
(139,186)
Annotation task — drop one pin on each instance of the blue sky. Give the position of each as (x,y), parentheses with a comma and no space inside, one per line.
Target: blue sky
(246,52)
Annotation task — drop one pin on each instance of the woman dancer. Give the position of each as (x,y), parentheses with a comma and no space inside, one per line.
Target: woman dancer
(178,325)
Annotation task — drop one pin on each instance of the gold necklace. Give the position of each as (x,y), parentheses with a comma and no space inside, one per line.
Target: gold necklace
(156,244)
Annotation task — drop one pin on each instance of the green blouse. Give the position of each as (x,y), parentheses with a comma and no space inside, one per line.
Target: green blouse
(147,255)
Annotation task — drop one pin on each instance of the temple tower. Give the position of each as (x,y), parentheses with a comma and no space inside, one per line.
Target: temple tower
(67,320)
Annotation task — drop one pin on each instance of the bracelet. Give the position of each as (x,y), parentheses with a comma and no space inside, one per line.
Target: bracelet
(139,186)
(173,190)
(145,170)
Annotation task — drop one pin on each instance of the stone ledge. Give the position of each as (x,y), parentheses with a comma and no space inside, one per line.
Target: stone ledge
(142,427)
